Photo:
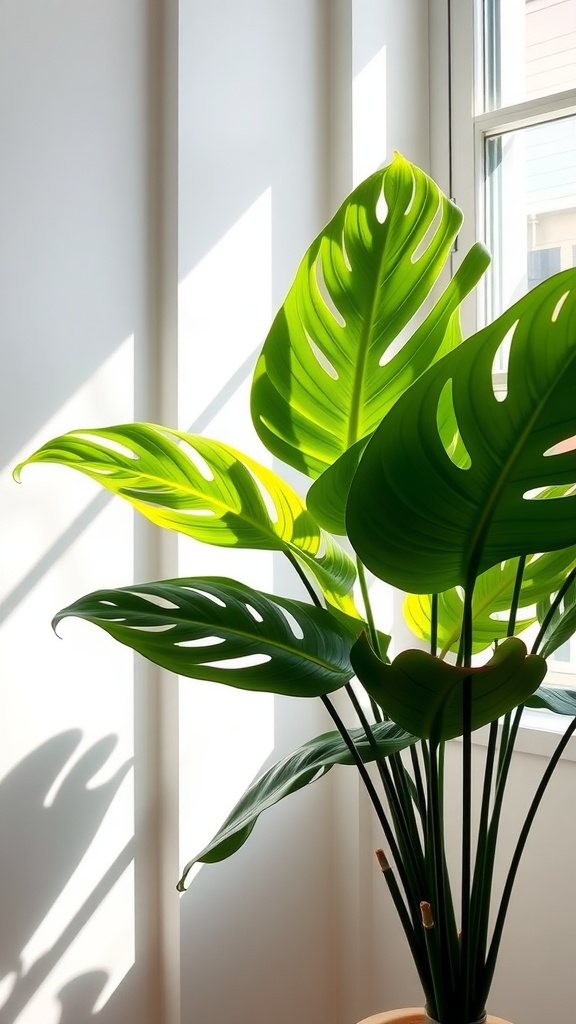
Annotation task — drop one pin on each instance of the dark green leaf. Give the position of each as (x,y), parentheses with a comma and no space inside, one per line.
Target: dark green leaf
(305,765)
(419,520)
(424,694)
(562,702)
(213,628)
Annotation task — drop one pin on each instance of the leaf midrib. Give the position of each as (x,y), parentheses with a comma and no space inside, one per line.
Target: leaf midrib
(365,344)
(483,525)
(217,627)
(267,528)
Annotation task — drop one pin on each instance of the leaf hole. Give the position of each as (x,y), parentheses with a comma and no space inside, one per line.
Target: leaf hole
(345,256)
(393,349)
(109,443)
(558,306)
(500,365)
(202,641)
(193,512)
(266,496)
(254,613)
(568,445)
(412,195)
(196,459)
(326,297)
(448,429)
(293,624)
(160,602)
(244,661)
(321,359)
(322,547)
(549,493)
(382,207)
(154,629)
(205,593)
(429,235)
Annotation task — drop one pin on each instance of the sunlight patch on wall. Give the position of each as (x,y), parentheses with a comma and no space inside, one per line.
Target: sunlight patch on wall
(224,315)
(369,117)
(106,397)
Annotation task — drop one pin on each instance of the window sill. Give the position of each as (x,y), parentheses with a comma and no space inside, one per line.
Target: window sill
(538,734)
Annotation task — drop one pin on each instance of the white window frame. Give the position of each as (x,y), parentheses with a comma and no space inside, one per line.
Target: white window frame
(459,127)
(467,125)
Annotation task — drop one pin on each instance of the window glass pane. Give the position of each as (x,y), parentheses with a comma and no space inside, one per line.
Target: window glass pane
(530,49)
(530,208)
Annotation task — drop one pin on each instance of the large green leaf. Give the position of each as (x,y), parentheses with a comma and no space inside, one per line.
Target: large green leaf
(543,576)
(424,695)
(437,335)
(421,521)
(214,628)
(324,379)
(561,702)
(305,765)
(206,490)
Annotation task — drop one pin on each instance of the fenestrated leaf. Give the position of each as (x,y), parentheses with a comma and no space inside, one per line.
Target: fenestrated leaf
(424,694)
(543,575)
(437,335)
(206,490)
(215,628)
(562,625)
(322,382)
(562,702)
(305,765)
(424,523)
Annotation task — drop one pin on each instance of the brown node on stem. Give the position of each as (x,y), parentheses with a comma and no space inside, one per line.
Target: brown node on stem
(382,860)
(426,911)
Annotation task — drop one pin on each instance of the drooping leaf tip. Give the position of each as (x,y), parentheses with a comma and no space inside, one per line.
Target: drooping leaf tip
(55,622)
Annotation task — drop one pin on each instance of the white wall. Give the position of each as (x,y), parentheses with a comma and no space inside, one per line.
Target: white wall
(104,290)
(73,337)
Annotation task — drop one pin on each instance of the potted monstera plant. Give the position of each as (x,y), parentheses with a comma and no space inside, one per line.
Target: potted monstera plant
(459,496)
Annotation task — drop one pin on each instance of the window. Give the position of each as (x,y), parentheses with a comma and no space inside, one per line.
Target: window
(526,141)
(512,140)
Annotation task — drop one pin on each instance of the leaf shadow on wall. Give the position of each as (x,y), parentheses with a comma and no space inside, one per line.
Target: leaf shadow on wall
(42,842)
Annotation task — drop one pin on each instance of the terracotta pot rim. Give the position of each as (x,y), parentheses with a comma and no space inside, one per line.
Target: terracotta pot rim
(413,1015)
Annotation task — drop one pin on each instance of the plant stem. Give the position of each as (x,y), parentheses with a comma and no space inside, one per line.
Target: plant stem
(482,882)
(466,654)
(552,610)
(420,960)
(435,833)
(516,595)
(368,608)
(369,785)
(434,625)
(296,565)
(408,926)
(412,934)
(515,862)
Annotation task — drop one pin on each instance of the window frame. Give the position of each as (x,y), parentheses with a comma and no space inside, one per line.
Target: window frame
(458,161)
